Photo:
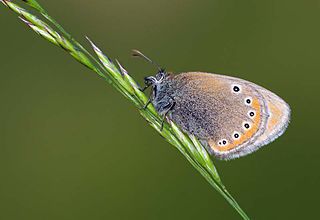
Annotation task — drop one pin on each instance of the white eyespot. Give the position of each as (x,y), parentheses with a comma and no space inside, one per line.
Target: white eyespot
(236,135)
(236,88)
(248,101)
(223,142)
(246,125)
(252,114)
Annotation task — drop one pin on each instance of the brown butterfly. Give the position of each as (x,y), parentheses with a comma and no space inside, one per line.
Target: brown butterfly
(232,117)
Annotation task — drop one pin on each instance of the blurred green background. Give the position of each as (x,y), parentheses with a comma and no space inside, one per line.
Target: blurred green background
(71,147)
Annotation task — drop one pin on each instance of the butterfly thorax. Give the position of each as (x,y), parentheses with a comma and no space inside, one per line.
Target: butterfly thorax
(162,95)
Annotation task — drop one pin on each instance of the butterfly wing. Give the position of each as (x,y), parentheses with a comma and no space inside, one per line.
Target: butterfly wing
(232,116)
(278,112)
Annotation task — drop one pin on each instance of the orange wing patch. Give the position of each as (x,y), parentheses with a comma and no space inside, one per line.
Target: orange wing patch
(247,134)
(279,114)
(275,116)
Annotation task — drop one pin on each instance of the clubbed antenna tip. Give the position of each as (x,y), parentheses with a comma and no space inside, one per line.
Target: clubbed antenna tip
(137,53)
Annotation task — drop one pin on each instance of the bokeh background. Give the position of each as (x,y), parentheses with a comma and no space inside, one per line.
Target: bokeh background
(71,147)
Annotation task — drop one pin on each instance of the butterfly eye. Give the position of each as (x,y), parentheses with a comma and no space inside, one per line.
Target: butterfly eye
(248,101)
(246,125)
(236,135)
(236,89)
(251,114)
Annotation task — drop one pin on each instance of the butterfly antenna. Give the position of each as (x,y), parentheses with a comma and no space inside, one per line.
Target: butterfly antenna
(137,53)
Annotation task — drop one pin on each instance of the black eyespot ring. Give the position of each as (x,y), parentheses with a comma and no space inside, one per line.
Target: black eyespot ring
(248,101)
(246,125)
(223,142)
(236,135)
(236,89)
(251,114)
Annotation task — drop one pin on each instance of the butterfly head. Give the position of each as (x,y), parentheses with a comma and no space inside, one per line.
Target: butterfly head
(157,79)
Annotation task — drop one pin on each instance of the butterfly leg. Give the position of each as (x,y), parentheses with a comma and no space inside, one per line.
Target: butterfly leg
(151,96)
(168,108)
(147,103)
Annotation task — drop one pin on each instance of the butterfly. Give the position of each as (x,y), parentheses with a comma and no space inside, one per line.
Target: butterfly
(232,117)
